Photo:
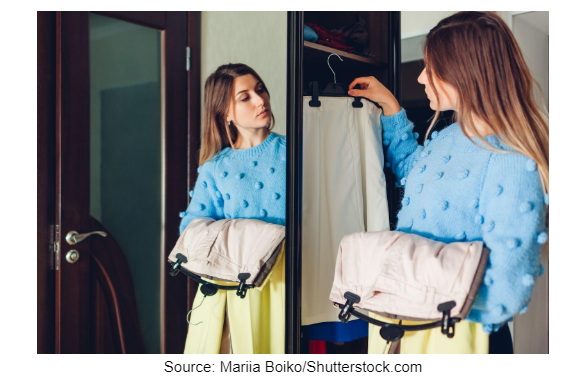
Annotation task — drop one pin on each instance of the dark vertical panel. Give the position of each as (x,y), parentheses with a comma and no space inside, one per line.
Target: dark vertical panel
(294,181)
(45,156)
(395,53)
(394,85)
(72,157)
(174,289)
(194,109)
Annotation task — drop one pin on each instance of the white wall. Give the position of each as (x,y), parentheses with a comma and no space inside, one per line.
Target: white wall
(421,22)
(414,28)
(531,30)
(258,39)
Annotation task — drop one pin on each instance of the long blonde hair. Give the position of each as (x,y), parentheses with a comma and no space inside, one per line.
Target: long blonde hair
(476,53)
(218,93)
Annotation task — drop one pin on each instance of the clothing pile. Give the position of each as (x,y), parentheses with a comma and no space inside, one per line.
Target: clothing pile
(351,38)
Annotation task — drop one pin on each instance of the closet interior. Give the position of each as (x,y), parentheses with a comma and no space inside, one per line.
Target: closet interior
(371,48)
(369,36)
(378,56)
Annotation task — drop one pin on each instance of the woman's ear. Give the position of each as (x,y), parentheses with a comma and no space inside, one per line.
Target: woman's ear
(229,117)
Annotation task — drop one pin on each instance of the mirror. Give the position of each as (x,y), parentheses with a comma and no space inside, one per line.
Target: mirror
(125,153)
(247,182)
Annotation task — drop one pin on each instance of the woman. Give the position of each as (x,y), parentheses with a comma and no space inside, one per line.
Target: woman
(485,177)
(241,175)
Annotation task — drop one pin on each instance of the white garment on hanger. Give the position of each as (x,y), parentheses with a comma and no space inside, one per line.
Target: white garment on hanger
(344,191)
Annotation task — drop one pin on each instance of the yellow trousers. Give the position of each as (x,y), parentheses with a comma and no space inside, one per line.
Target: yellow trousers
(256,322)
(469,338)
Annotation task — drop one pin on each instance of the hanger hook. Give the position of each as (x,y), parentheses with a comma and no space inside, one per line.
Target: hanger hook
(328,63)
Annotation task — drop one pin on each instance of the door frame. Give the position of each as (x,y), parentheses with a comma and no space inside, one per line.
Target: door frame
(46,132)
(294,136)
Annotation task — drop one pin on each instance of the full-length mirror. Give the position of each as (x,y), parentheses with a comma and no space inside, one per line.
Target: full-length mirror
(238,200)
(125,153)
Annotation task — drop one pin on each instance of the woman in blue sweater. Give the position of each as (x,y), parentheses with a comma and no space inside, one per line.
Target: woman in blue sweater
(485,177)
(241,175)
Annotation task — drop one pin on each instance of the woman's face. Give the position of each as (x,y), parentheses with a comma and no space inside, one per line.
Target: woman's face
(447,93)
(250,105)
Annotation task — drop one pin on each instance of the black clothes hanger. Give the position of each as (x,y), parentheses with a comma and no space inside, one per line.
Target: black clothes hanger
(331,90)
(209,288)
(394,332)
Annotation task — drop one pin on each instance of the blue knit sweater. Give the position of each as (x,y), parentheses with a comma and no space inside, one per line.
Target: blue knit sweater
(251,183)
(242,183)
(456,191)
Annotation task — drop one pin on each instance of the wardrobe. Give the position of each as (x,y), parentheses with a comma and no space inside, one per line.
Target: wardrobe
(93,296)
(306,63)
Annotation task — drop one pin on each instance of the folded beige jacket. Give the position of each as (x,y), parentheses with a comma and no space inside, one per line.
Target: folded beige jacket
(224,249)
(406,276)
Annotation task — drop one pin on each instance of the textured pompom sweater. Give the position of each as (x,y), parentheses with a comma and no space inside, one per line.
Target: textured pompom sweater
(456,191)
(251,183)
(242,183)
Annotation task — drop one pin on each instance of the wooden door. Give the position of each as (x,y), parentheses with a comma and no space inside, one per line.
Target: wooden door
(104,177)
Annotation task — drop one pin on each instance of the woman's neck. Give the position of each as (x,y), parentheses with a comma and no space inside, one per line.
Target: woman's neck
(483,128)
(251,138)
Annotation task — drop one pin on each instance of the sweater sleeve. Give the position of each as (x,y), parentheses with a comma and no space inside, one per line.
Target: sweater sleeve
(512,219)
(206,200)
(403,151)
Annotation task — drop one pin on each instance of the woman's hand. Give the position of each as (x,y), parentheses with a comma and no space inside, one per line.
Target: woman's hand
(372,89)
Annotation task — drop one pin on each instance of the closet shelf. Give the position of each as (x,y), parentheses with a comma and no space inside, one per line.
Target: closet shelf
(322,49)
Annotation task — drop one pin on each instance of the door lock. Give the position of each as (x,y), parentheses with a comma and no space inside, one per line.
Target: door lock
(72,256)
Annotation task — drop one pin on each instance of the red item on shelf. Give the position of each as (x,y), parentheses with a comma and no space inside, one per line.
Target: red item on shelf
(330,39)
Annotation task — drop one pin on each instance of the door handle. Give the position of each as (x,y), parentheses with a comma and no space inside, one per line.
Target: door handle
(73,237)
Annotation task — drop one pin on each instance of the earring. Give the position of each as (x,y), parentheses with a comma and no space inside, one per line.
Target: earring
(229,123)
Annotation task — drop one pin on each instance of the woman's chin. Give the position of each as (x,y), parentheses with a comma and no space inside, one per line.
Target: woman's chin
(264,123)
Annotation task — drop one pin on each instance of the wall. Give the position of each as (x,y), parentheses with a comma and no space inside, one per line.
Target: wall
(420,23)
(531,29)
(258,39)
(414,28)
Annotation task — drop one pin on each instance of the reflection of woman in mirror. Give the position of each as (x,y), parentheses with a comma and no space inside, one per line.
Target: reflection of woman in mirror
(241,175)
(485,177)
